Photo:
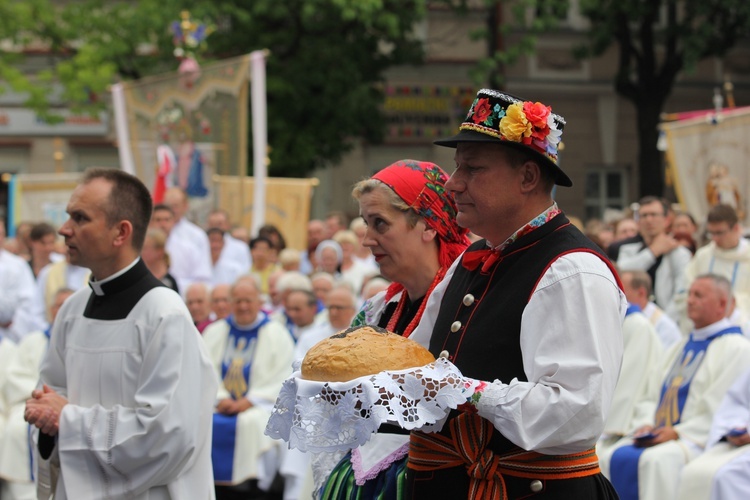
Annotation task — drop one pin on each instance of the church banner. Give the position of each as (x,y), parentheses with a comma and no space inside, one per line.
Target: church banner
(200,114)
(707,156)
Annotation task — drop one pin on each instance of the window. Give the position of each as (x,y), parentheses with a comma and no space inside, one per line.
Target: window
(606,187)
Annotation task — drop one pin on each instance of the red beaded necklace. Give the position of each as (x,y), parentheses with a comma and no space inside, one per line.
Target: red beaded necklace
(402,306)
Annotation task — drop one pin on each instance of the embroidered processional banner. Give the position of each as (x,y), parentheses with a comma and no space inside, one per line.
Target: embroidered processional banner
(186,126)
(707,157)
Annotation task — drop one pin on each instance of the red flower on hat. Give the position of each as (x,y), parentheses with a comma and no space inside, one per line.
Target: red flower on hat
(482,110)
(538,114)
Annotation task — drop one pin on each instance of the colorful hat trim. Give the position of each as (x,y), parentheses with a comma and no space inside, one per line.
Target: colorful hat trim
(501,117)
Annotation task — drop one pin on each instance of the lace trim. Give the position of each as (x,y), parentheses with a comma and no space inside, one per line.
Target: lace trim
(361,476)
(335,416)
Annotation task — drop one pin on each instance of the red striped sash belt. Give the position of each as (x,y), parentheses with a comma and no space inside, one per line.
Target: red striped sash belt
(467,445)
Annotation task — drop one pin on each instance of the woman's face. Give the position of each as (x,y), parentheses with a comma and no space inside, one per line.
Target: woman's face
(683,225)
(397,247)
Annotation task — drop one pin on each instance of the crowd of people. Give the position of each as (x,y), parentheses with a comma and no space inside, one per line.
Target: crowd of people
(482,266)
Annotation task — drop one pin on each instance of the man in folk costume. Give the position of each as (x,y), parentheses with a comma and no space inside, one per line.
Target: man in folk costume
(686,392)
(124,402)
(534,310)
(253,355)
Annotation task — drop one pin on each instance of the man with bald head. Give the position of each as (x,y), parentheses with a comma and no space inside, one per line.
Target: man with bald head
(220,301)
(342,306)
(252,356)
(685,394)
(185,264)
(187,243)
(199,304)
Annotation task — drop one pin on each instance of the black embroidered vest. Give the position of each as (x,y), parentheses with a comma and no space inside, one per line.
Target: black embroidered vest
(486,342)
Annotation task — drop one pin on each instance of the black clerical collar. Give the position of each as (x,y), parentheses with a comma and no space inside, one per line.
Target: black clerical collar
(116,296)
(121,279)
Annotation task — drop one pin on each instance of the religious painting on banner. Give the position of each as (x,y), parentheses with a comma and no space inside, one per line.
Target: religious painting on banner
(183,135)
(707,156)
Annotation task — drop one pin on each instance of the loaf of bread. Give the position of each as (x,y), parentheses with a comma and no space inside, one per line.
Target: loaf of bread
(360,351)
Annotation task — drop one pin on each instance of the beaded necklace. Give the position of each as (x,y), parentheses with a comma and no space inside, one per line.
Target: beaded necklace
(402,306)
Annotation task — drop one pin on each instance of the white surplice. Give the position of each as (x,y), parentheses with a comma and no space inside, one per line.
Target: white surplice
(721,473)
(15,452)
(140,392)
(660,466)
(271,365)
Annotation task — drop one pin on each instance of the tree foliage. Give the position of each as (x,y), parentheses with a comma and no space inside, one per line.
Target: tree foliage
(655,40)
(327,58)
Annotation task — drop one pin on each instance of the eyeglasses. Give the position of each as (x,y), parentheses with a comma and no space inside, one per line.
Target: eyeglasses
(717,234)
(650,214)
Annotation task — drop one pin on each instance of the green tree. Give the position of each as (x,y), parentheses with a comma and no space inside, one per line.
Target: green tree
(327,59)
(656,40)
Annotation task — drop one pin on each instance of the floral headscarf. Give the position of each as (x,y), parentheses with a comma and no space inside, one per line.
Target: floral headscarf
(422,186)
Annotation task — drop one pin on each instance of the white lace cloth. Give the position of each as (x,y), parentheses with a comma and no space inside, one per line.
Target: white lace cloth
(338,416)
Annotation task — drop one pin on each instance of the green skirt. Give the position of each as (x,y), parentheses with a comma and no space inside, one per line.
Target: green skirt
(390,484)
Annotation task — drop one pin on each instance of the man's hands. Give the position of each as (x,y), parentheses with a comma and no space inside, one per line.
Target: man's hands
(662,244)
(650,436)
(738,437)
(43,410)
(230,406)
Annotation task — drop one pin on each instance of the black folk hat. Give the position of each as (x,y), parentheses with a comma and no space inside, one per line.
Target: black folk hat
(531,127)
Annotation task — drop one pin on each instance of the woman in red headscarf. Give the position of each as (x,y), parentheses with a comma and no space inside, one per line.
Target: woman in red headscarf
(412,232)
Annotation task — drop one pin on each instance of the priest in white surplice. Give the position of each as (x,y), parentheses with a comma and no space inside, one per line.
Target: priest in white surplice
(723,471)
(125,406)
(252,355)
(187,264)
(683,397)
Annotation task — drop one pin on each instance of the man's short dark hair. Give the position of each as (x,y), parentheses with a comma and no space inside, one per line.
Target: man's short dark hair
(40,230)
(260,239)
(162,207)
(640,279)
(129,199)
(517,157)
(647,200)
(723,213)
